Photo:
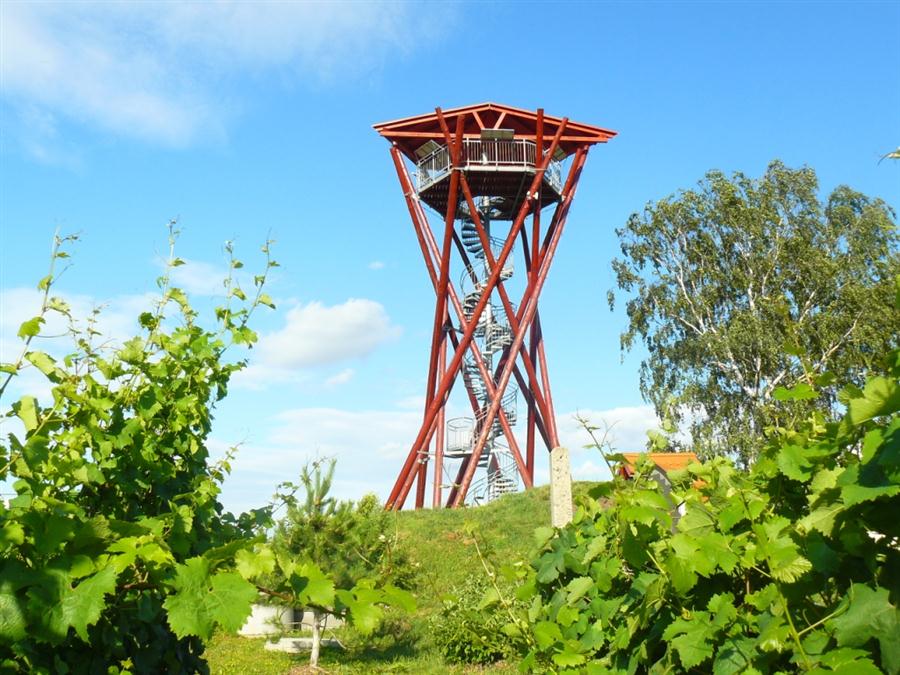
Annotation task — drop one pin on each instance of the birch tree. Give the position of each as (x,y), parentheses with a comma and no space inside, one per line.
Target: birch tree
(742,286)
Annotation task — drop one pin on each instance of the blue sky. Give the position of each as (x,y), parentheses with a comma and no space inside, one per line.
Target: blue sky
(248,119)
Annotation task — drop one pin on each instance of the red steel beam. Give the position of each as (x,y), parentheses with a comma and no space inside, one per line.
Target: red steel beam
(530,308)
(501,289)
(438,470)
(404,481)
(424,235)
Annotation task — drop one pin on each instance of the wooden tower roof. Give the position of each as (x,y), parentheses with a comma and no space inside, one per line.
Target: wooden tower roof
(410,133)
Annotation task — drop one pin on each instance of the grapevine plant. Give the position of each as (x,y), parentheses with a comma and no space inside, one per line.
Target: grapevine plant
(115,554)
(792,566)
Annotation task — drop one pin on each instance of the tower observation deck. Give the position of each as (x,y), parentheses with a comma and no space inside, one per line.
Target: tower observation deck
(480,167)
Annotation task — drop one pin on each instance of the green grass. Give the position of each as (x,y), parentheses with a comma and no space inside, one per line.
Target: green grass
(439,543)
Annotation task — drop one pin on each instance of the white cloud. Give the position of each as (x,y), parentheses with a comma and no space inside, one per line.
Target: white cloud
(157,71)
(340,378)
(199,278)
(363,438)
(376,265)
(316,334)
(415,402)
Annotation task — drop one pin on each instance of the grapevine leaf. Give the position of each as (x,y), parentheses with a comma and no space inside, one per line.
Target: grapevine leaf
(252,564)
(491,598)
(566,616)
(871,442)
(774,633)
(870,614)
(793,463)
(45,363)
(200,601)
(13,625)
(542,535)
(692,646)
(31,327)
(312,586)
(83,606)
(848,661)
(788,565)
(185,606)
(821,519)
(365,616)
(228,601)
(550,565)
(568,658)
(11,534)
(546,634)
(881,396)
(26,410)
(722,610)
(734,656)
(681,573)
(578,587)
(857,494)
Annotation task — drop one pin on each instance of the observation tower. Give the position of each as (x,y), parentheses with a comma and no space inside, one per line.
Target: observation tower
(494,175)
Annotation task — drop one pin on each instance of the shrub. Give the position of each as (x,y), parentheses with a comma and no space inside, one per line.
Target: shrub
(470,627)
(794,565)
(115,553)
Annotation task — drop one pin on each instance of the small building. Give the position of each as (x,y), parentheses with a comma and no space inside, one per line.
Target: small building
(665,462)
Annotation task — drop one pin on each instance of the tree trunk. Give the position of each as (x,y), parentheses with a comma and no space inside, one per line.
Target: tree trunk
(316,639)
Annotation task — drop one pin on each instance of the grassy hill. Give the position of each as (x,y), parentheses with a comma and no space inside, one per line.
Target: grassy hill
(440,545)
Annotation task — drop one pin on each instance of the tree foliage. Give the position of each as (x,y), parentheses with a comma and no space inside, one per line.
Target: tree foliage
(742,286)
(794,566)
(115,553)
(352,542)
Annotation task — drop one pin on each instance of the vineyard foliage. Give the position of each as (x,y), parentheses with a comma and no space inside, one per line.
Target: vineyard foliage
(115,554)
(794,565)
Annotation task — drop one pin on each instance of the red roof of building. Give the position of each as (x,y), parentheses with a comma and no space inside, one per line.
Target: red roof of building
(410,133)
(667,461)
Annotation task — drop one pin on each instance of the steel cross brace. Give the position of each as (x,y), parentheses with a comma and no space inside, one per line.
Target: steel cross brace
(535,390)
(528,311)
(428,244)
(523,386)
(404,481)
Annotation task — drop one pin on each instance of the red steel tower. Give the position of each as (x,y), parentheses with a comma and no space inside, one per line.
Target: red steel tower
(480,167)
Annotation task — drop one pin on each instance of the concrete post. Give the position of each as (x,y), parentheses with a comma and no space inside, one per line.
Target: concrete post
(560,488)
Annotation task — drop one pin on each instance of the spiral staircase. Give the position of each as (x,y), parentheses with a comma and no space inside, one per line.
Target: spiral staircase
(493,335)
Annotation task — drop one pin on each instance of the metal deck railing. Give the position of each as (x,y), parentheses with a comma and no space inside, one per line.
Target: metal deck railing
(491,155)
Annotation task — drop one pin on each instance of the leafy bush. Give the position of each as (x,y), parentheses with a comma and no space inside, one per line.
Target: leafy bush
(395,634)
(471,625)
(792,566)
(115,553)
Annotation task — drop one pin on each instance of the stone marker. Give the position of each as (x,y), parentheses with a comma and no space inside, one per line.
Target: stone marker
(560,488)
